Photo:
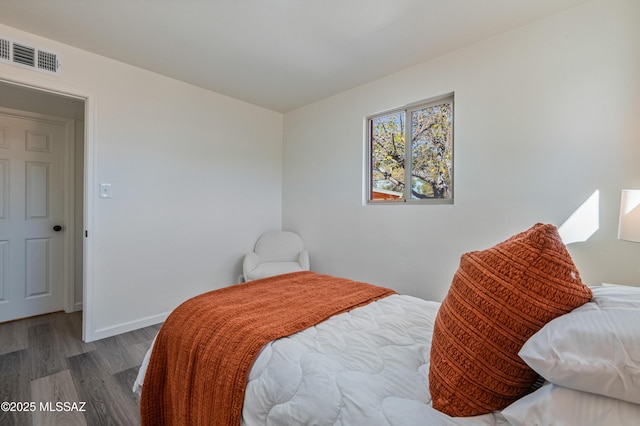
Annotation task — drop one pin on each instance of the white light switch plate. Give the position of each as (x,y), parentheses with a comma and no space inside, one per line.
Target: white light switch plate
(105,190)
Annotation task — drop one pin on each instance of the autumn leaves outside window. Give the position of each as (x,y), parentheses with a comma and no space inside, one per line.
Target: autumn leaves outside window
(410,153)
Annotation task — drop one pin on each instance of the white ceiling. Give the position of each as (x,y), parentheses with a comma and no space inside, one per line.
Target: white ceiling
(279,54)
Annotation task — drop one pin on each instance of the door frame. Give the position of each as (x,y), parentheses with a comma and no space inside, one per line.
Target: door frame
(69,220)
(38,83)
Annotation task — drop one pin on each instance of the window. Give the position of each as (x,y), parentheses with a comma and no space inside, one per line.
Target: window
(412,145)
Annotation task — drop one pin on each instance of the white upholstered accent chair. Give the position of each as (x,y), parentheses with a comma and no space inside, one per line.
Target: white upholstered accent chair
(275,253)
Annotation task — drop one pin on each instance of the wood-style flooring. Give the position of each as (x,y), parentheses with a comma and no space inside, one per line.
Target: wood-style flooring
(44,361)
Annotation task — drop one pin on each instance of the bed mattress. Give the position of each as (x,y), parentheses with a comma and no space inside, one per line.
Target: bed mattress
(367,366)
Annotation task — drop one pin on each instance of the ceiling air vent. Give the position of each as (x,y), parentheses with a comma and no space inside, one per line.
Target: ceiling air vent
(30,57)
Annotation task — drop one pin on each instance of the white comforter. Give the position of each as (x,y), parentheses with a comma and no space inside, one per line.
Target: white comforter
(365,367)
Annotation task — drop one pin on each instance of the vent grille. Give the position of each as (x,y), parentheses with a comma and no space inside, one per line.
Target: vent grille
(24,55)
(28,56)
(47,61)
(5,50)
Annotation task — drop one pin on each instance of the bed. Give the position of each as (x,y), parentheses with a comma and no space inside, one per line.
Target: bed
(370,361)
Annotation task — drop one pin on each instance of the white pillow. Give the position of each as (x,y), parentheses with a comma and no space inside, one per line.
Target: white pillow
(555,405)
(594,348)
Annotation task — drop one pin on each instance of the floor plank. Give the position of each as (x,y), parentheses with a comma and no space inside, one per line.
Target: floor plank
(13,337)
(46,358)
(68,328)
(114,356)
(14,386)
(55,396)
(106,403)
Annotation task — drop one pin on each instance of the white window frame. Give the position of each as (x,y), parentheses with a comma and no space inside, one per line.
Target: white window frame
(407,110)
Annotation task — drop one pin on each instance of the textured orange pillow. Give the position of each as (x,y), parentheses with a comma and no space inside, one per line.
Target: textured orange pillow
(499,298)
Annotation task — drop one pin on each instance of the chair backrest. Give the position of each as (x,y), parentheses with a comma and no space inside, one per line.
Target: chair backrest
(283,246)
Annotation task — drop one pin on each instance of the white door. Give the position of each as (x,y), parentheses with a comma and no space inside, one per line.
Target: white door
(32,155)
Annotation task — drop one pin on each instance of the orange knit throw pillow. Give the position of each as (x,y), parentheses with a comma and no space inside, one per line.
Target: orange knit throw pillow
(499,298)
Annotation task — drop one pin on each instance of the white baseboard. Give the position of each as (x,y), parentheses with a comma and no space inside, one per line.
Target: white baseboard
(103,333)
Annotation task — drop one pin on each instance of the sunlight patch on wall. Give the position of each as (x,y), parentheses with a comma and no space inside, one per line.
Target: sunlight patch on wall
(584,222)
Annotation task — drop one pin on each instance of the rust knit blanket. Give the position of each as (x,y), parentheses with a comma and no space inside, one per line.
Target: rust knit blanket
(202,355)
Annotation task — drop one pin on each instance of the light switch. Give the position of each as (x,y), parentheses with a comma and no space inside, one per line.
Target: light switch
(105,190)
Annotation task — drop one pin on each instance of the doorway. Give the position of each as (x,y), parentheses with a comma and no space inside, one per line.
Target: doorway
(36,104)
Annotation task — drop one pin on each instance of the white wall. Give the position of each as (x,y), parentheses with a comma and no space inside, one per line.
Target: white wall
(196,178)
(544,115)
